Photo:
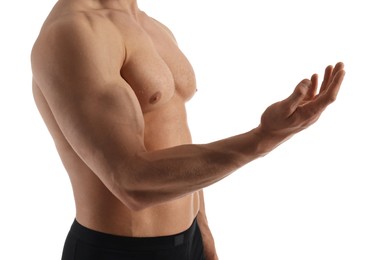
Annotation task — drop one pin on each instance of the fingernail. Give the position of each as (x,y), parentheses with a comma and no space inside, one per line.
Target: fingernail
(305,83)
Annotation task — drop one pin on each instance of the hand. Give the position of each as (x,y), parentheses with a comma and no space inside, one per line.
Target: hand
(304,106)
(209,248)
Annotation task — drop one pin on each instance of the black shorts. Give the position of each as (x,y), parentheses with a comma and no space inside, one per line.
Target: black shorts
(86,244)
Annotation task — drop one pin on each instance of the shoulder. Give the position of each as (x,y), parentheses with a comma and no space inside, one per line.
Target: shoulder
(76,47)
(76,34)
(163,26)
(77,26)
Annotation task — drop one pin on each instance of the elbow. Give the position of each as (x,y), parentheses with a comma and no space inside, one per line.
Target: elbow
(134,200)
(134,189)
(133,195)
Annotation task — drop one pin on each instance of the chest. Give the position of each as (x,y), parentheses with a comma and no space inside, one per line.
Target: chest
(155,67)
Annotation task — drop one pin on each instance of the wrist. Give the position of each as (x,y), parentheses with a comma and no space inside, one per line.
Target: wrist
(267,140)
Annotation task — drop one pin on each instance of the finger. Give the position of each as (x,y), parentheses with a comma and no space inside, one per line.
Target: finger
(313,87)
(327,78)
(333,90)
(329,96)
(338,67)
(298,96)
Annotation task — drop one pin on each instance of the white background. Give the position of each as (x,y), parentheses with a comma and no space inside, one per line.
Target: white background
(312,198)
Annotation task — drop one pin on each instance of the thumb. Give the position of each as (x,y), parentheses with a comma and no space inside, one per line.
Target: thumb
(298,95)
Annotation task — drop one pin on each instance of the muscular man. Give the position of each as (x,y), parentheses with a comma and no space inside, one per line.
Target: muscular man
(111,84)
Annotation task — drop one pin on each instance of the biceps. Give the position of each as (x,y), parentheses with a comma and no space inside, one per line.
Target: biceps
(103,125)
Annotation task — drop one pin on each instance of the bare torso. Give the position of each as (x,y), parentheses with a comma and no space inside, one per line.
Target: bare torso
(163,81)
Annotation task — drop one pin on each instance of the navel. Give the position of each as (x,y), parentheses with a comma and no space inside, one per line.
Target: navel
(155,98)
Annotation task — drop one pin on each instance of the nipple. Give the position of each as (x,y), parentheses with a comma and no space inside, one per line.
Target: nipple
(155,98)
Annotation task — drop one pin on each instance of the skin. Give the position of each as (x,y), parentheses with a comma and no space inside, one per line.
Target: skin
(111,85)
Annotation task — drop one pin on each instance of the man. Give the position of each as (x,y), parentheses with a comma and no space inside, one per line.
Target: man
(111,86)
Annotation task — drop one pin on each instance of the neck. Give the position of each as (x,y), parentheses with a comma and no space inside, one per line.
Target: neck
(125,5)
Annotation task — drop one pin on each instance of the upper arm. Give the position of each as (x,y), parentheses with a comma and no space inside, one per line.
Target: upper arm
(77,67)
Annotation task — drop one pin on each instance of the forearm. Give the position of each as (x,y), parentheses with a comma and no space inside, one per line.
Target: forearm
(168,174)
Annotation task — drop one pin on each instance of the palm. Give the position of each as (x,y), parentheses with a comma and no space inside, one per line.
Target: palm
(304,106)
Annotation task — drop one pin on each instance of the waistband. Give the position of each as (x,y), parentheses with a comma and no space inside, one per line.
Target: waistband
(125,243)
